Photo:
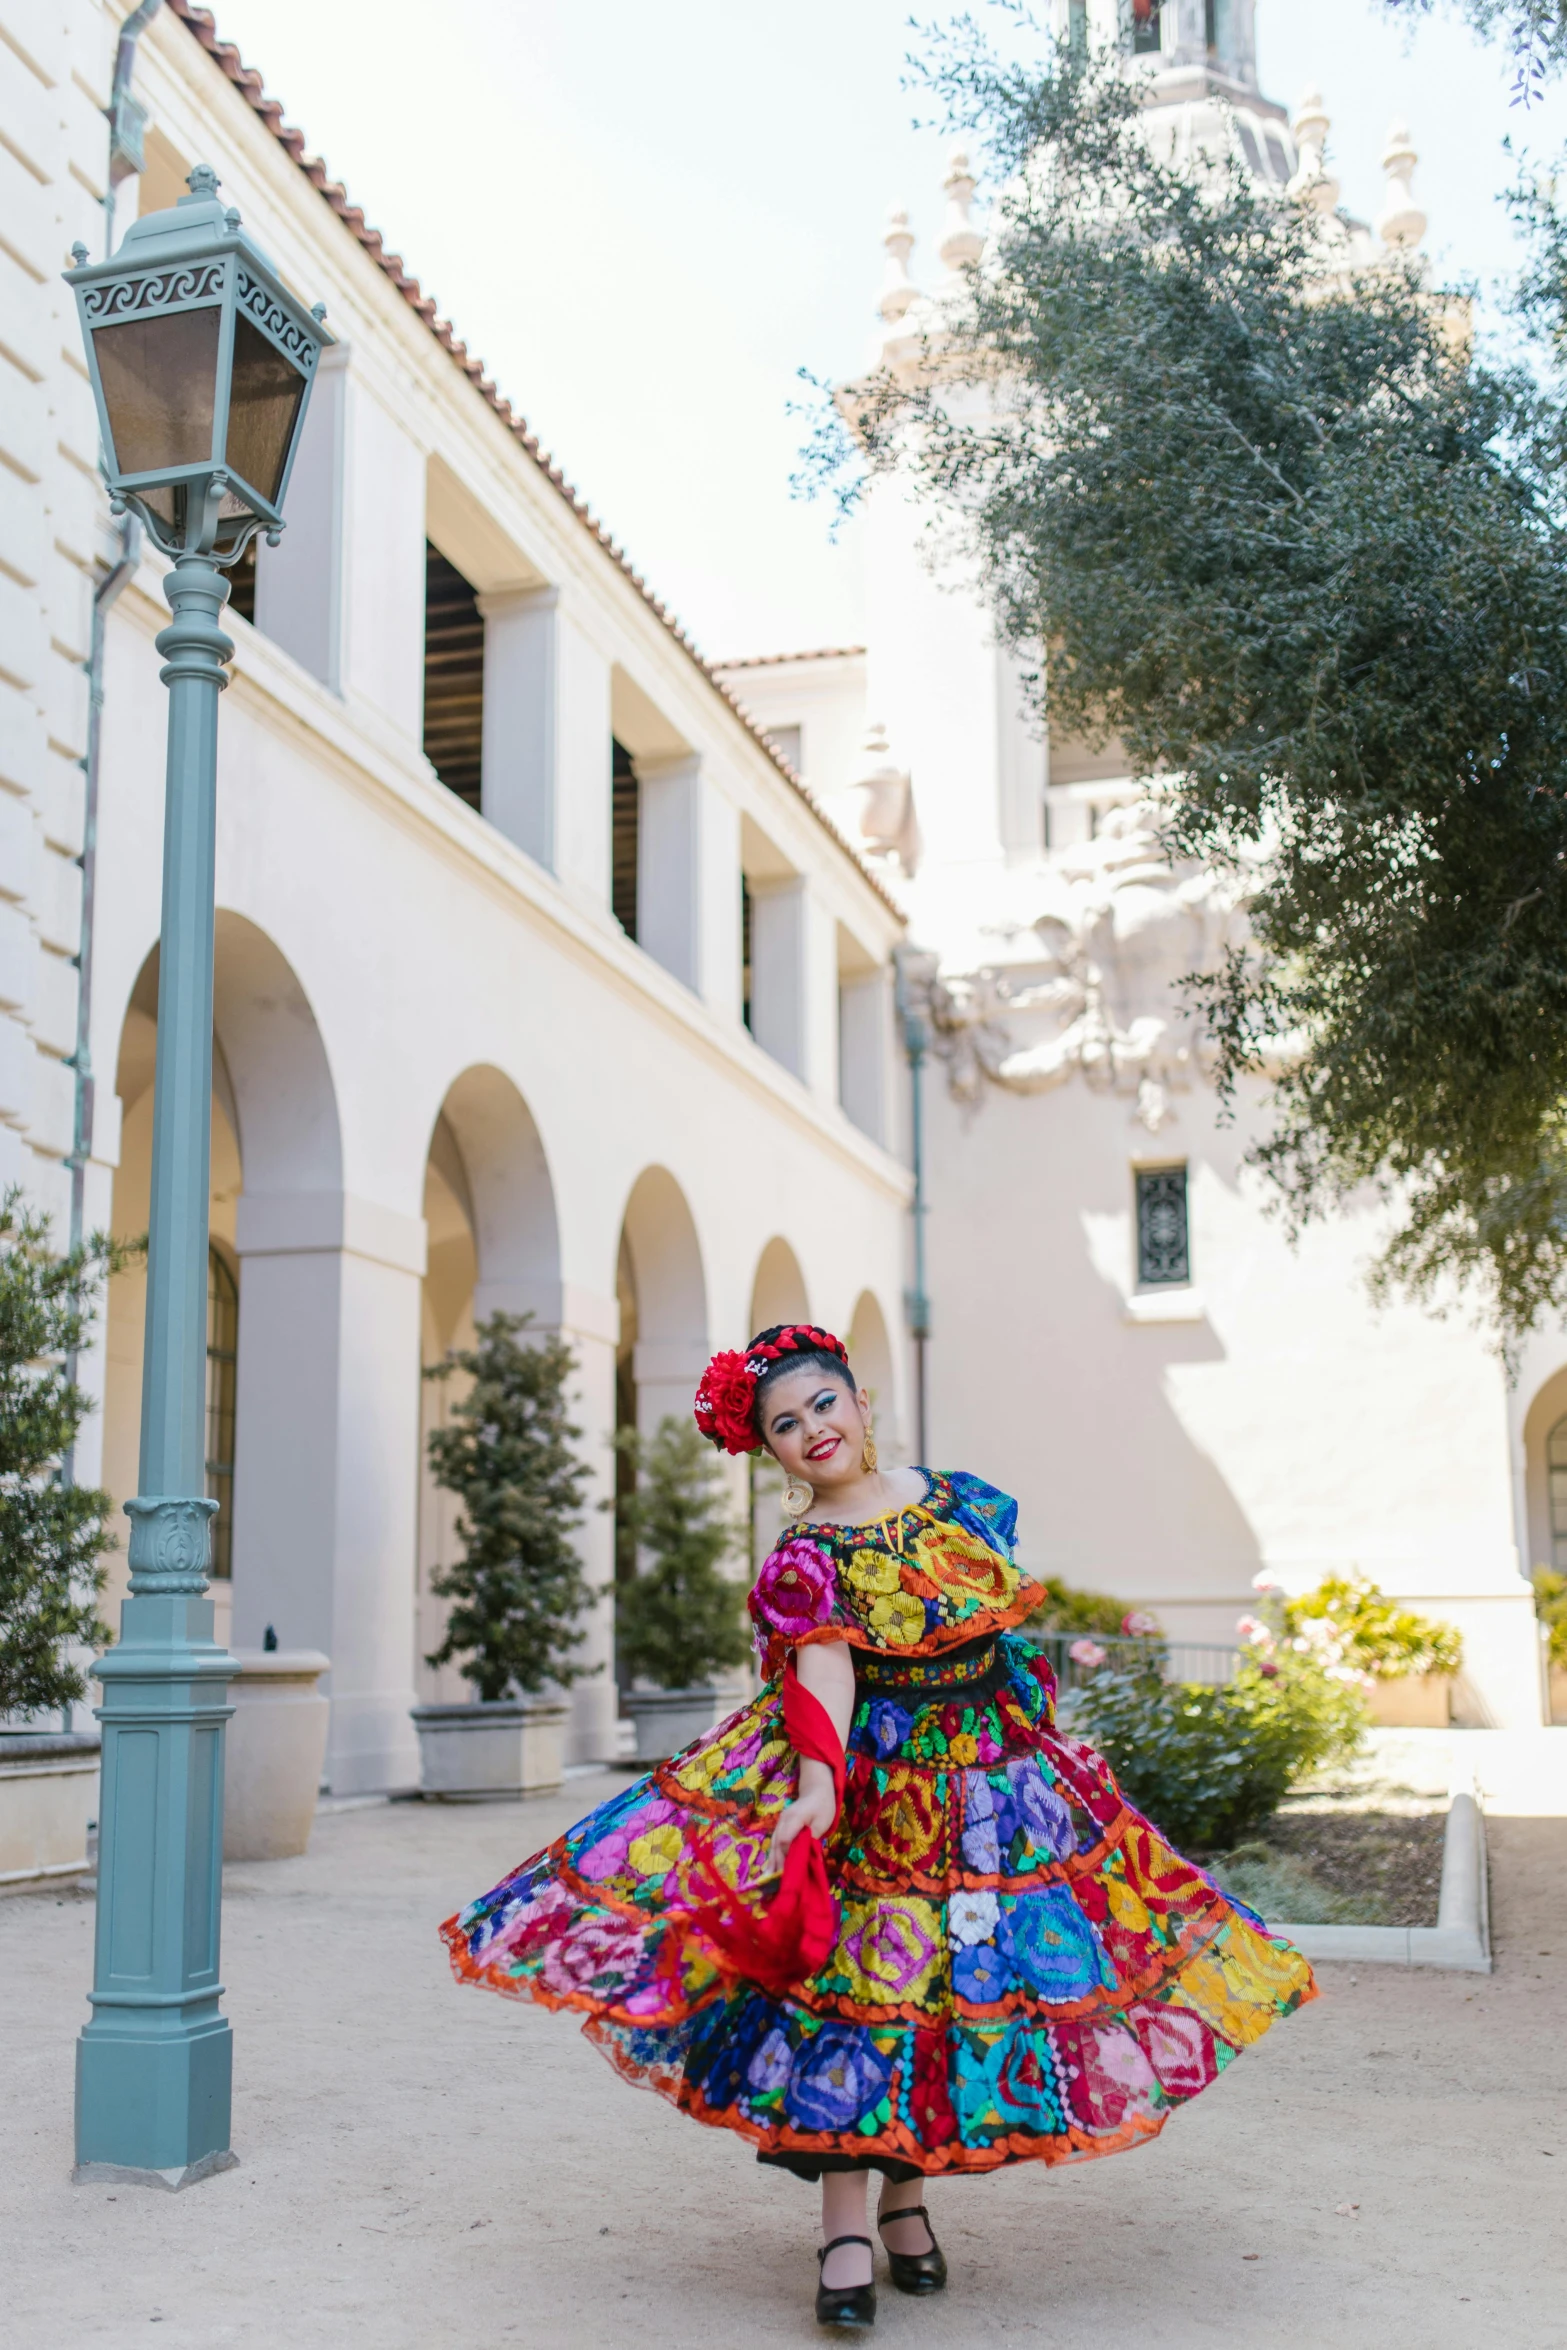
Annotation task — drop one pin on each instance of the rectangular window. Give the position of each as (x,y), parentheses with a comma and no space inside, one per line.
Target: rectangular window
(1146,40)
(625,827)
(1164,1256)
(745,951)
(453,676)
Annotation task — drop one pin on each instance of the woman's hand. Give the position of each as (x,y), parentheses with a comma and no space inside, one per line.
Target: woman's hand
(815,1807)
(826,1669)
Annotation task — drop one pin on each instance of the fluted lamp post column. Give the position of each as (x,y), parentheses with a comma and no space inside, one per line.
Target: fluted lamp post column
(201,363)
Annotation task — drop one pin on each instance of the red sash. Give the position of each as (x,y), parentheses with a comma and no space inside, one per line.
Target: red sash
(795,1933)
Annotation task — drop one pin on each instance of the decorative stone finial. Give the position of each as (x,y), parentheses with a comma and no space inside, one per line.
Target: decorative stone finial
(961,243)
(79,254)
(1312,184)
(883,789)
(203,185)
(898,289)
(1401,222)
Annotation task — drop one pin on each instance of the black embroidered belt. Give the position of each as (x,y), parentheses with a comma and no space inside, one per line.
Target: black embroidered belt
(875,1669)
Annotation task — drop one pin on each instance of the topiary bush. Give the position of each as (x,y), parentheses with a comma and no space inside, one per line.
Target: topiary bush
(1208,1765)
(680,1618)
(1374,1635)
(509,1455)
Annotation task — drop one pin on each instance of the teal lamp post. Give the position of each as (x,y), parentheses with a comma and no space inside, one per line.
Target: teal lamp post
(201,363)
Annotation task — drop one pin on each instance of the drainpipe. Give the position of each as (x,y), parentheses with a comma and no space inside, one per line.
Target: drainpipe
(104,594)
(127,124)
(916,1300)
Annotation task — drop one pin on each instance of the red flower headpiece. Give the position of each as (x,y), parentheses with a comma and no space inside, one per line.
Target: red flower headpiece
(725,1406)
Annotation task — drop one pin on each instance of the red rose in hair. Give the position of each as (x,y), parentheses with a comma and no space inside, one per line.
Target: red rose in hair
(725,1402)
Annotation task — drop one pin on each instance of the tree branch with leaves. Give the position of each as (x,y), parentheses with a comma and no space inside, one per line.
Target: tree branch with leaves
(1290,540)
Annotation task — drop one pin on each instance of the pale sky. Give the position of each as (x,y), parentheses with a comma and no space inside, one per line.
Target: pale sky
(645,219)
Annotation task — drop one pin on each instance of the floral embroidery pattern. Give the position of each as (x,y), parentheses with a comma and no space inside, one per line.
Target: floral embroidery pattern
(1024,1969)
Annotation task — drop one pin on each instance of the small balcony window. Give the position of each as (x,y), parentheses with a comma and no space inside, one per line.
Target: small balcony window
(1164,1256)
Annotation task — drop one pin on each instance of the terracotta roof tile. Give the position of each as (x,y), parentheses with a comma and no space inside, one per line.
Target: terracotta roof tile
(782,660)
(201,23)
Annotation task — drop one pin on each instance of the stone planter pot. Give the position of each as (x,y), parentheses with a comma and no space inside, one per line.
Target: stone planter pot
(1421,1701)
(273,1752)
(668,1719)
(48,1800)
(486,1750)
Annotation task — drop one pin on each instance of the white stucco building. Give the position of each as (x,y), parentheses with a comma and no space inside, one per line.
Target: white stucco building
(1120,1332)
(547,979)
(541,983)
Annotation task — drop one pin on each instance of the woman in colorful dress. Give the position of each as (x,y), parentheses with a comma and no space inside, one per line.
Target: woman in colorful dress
(886,1917)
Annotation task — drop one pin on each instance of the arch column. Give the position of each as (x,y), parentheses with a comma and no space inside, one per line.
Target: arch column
(325,1494)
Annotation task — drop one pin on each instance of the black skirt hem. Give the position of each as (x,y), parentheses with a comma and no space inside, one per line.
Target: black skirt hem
(811,2166)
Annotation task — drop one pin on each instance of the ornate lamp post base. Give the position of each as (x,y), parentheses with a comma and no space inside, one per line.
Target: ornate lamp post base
(154,2063)
(124,2174)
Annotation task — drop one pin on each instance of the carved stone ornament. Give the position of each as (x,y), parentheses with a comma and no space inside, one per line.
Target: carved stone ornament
(171,1543)
(1088,987)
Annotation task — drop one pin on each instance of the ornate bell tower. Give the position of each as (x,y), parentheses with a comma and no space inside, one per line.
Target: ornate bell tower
(1214,38)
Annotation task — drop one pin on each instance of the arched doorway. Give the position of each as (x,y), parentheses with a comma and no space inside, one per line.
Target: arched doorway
(1556,1493)
(313,1354)
(135,1067)
(778,1290)
(870,1352)
(662,1293)
(666,1289)
(492,1247)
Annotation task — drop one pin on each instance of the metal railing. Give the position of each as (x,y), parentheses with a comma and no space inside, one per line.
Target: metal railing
(1208,1661)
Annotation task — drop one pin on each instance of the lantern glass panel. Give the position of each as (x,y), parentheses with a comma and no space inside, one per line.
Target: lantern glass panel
(263,406)
(159,378)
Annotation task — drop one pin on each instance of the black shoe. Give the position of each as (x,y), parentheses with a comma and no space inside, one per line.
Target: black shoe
(915,2272)
(845,2305)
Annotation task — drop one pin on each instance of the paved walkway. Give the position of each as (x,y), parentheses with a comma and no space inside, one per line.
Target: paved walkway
(425,2167)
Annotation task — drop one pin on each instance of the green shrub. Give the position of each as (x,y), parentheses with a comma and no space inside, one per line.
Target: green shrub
(1550,1605)
(680,1618)
(1208,1765)
(1067,1610)
(508,1456)
(52,1533)
(1378,1637)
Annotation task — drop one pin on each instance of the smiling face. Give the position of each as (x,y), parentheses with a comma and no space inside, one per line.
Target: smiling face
(813,1423)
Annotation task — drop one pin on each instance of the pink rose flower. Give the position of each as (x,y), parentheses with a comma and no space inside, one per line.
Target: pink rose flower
(796,1589)
(588,1952)
(1088,1654)
(1139,1625)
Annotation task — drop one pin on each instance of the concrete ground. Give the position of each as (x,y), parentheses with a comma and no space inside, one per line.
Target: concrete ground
(424,2166)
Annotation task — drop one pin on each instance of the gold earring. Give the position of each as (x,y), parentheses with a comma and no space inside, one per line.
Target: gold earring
(798,1496)
(868,1452)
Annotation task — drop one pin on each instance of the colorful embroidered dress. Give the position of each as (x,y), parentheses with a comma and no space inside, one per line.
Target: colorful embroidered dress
(1024,1968)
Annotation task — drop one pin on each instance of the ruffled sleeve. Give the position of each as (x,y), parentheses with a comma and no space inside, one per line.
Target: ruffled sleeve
(985,1511)
(795,1596)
